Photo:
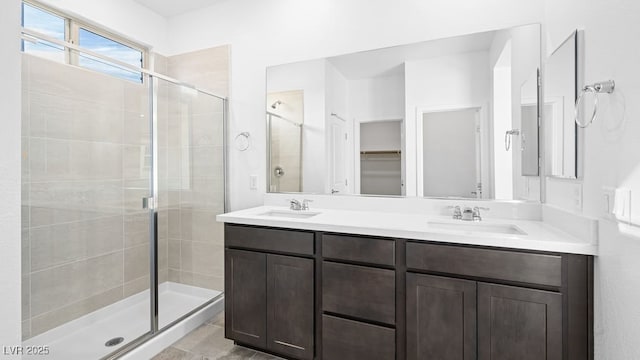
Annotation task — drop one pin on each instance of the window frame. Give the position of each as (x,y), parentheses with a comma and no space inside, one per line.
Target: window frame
(72,26)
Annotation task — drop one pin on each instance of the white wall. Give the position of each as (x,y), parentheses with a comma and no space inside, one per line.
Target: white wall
(503,121)
(612,157)
(310,78)
(451,82)
(10,155)
(379,98)
(273,32)
(122,17)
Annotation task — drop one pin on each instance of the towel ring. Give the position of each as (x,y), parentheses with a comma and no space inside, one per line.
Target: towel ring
(243,141)
(597,88)
(507,137)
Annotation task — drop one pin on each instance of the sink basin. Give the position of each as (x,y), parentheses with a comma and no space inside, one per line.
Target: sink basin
(478,227)
(290,214)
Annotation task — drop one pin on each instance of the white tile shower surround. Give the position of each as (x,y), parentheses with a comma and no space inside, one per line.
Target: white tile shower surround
(85,337)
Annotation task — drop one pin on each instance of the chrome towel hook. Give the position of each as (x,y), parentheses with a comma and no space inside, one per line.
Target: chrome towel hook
(596,88)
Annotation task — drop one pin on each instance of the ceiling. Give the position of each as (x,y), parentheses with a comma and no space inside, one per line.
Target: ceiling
(169,8)
(388,61)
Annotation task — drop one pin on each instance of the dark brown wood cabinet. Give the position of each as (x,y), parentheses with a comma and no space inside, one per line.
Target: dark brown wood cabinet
(518,323)
(245,297)
(441,318)
(290,312)
(314,295)
(270,298)
(359,291)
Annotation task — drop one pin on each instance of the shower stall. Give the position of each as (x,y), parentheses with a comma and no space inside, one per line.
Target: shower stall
(284,162)
(122,180)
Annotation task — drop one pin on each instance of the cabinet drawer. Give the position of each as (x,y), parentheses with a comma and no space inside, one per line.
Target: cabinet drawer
(359,291)
(286,241)
(494,264)
(352,340)
(361,249)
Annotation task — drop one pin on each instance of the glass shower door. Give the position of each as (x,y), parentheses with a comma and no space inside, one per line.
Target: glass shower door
(191,192)
(86,166)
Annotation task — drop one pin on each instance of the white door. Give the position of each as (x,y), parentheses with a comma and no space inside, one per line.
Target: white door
(450,153)
(338,157)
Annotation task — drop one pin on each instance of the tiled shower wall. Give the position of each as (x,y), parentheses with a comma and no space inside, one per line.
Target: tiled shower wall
(85,170)
(86,166)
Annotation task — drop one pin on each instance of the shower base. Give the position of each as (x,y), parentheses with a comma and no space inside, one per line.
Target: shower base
(85,337)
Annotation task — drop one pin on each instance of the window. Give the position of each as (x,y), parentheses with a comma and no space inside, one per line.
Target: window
(111,48)
(48,24)
(63,28)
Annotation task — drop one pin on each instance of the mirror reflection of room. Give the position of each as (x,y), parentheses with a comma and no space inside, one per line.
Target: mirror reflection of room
(560,96)
(454,118)
(381,157)
(285,119)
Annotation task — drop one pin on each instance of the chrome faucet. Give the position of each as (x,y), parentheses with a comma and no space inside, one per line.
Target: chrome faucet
(298,206)
(467,214)
(295,204)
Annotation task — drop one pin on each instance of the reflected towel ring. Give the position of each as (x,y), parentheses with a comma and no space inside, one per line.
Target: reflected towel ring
(596,89)
(507,137)
(242,141)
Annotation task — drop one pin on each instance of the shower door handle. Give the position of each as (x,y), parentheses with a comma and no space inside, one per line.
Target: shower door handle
(148,203)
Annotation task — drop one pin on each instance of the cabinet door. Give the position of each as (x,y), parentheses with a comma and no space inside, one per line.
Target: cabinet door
(518,323)
(290,309)
(246,297)
(441,318)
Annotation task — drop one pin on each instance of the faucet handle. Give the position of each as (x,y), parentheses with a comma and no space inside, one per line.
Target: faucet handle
(476,212)
(305,204)
(457,212)
(294,204)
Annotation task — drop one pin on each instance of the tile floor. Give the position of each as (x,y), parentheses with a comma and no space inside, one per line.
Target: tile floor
(208,343)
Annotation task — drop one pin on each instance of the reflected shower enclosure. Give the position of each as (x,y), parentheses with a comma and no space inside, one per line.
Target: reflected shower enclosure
(285,124)
(95,260)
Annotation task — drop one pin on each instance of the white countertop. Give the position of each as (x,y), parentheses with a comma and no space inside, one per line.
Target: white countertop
(539,235)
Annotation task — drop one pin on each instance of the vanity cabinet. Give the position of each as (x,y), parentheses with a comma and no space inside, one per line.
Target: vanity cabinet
(319,295)
(358,297)
(441,318)
(245,297)
(269,297)
(501,304)
(518,323)
(512,322)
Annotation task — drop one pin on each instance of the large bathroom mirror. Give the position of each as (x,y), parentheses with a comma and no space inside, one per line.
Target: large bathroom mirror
(561,86)
(455,117)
